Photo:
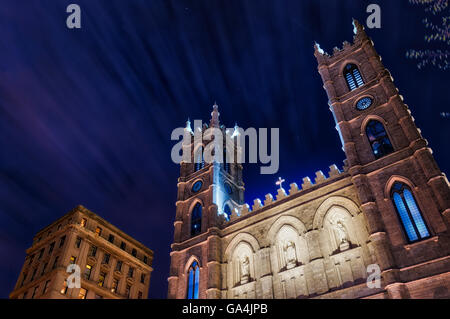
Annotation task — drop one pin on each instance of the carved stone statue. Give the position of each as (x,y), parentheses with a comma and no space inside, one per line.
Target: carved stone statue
(290,255)
(245,272)
(341,235)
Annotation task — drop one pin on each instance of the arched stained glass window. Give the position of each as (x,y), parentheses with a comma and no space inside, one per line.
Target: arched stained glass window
(353,77)
(378,138)
(409,213)
(193,281)
(196,220)
(199,161)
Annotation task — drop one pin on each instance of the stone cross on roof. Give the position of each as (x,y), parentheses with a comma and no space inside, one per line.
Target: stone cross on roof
(280,182)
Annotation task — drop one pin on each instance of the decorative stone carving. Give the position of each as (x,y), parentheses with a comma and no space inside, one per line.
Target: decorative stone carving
(341,235)
(290,255)
(245,270)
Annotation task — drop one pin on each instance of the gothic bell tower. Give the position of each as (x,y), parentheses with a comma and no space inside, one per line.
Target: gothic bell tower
(404,196)
(209,191)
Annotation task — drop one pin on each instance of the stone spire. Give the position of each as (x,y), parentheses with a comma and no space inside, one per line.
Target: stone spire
(358,30)
(215,116)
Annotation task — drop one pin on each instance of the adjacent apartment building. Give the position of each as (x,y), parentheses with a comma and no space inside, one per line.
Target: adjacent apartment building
(112,264)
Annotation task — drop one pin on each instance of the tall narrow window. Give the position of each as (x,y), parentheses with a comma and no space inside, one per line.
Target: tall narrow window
(114,285)
(226,164)
(34,292)
(409,213)
(353,77)
(227,211)
(64,288)
(61,241)
(46,286)
(119,265)
(87,272)
(199,161)
(55,262)
(101,279)
(196,220)
(378,138)
(52,246)
(78,242)
(106,258)
(193,280)
(82,294)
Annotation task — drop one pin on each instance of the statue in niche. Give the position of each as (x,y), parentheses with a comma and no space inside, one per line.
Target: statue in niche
(245,272)
(290,255)
(341,235)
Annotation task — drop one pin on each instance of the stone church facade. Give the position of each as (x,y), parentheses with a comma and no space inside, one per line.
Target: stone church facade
(387,209)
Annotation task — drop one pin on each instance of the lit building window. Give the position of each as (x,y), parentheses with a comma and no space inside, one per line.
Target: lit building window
(196,220)
(98,231)
(353,77)
(87,272)
(193,281)
(378,138)
(409,213)
(114,285)
(83,222)
(73,259)
(64,288)
(101,279)
(82,294)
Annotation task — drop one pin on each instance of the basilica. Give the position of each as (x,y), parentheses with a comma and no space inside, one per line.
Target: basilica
(376,228)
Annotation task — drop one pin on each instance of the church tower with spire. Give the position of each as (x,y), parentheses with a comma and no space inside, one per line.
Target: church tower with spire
(208,194)
(378,228)
(404,195)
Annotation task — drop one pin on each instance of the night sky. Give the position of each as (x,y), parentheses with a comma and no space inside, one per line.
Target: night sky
(86,115)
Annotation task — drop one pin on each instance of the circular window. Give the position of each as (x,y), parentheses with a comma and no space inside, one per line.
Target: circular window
(364,103)
(197,185)
(228,188)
